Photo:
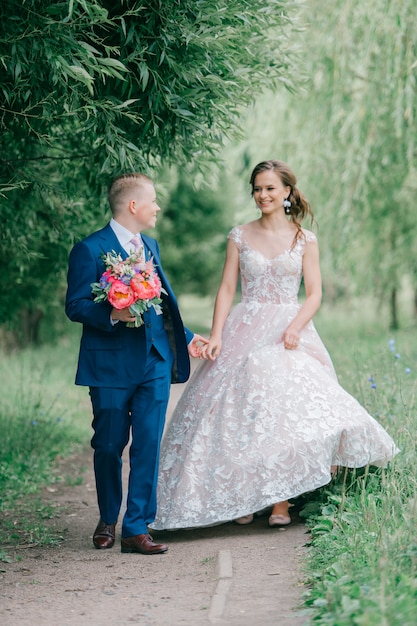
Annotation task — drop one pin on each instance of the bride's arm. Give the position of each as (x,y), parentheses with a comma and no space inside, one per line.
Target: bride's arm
(313,288)
(224,301)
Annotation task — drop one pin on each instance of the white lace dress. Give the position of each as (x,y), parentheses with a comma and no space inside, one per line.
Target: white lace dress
(261,424)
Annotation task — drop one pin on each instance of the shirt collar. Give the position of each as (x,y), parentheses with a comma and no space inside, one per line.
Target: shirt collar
(123,234)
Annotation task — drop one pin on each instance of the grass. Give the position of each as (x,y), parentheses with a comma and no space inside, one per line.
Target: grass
(361,567)
(43,417)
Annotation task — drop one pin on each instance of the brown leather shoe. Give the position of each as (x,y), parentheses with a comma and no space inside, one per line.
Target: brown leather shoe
(104,535)
(143,544)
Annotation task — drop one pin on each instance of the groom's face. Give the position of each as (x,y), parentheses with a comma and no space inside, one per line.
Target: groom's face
(145,207)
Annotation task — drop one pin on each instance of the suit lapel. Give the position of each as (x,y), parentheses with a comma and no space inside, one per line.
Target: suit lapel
(150,250)
(110,242)
(146,250)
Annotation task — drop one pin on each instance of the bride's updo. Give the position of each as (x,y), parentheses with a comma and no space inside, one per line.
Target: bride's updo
(300,207)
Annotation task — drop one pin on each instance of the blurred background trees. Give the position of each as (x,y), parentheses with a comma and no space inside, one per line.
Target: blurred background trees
(196,93)
(350,134)
(368,70)
(192,234)
(90,88)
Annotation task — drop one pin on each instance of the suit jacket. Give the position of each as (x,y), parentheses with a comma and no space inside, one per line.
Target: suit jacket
(115,355)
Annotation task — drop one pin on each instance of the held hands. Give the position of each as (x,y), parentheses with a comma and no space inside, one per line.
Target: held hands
(212,350)
(196,346)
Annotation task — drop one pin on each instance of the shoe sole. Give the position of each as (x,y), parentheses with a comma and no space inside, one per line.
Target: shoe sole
(244,521)
(134,551)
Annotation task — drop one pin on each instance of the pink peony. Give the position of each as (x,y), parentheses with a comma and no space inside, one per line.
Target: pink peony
(120,295)
(143,289)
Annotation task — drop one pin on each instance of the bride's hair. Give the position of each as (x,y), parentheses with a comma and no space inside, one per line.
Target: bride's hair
(300,207)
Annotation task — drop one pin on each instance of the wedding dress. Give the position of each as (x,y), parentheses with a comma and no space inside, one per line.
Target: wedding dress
(261,424)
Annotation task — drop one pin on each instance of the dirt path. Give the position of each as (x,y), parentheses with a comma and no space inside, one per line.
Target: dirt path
(227,575)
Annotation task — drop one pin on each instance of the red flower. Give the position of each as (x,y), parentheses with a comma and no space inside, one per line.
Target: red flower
(120,295)
(144,289)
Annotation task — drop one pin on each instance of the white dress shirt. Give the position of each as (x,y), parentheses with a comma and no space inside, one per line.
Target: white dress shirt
(124,235)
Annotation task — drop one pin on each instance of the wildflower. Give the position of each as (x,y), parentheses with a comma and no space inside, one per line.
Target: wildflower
(391,344)
(398,356)
(408,370)
(34,422)
(373,386)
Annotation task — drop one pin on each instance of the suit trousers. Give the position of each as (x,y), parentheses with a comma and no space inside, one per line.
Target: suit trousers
(136,412)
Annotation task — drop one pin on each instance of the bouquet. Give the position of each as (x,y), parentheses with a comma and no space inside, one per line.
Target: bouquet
(132,283)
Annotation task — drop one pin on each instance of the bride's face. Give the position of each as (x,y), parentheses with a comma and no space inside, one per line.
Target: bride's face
(268,192)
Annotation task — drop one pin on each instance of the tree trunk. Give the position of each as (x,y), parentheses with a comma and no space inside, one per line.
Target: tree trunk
(393,310)
(27,334)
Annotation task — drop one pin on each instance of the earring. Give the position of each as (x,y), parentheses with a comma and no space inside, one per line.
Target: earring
(287,206)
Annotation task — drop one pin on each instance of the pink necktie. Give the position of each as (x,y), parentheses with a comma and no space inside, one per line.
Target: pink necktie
(137,243)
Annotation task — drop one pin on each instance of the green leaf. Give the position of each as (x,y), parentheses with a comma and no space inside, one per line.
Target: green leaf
(113,63)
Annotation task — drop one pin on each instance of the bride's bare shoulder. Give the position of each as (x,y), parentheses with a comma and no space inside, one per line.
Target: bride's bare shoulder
(309,236)
(250,227)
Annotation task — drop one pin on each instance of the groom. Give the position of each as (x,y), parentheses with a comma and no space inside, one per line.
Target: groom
(128,370)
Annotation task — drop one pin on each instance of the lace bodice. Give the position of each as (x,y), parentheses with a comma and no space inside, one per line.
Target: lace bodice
(273,281)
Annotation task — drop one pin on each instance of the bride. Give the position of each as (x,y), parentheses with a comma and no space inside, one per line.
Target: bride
(263,418)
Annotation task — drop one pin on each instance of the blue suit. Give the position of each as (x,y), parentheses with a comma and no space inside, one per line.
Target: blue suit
(129,372)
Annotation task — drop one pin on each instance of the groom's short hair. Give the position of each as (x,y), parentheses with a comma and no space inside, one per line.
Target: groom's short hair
(122,185)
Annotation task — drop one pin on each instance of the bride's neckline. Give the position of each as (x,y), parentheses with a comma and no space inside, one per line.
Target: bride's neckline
(267,258)
(262,254)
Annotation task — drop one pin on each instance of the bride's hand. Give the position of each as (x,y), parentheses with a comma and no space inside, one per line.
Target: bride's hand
(212,349)
(291,339)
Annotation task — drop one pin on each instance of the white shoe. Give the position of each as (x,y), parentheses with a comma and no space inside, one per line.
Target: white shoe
(279,520)
(246,519)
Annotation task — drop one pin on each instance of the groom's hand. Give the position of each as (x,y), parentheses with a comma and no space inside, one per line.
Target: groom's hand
(196,345)
(122,315)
